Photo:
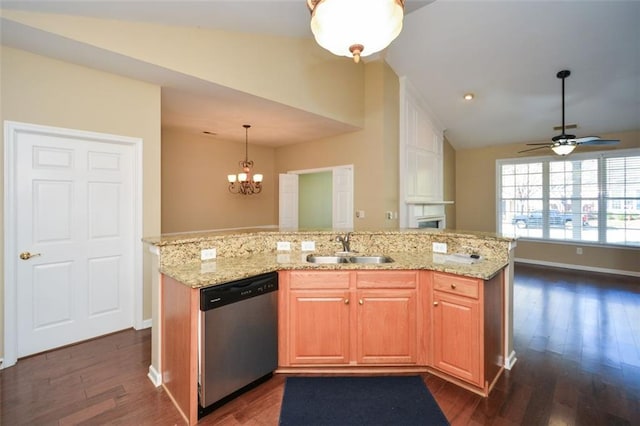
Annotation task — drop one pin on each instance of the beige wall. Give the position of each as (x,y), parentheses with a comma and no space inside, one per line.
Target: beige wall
(293,71)
(476,207)
(373,151)
(195,195)
(43,91)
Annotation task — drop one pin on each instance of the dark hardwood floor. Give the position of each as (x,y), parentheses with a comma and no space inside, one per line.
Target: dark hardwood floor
(577,338)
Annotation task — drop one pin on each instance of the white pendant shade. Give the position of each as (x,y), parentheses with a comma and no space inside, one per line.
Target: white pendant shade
(367,25)
(564,149)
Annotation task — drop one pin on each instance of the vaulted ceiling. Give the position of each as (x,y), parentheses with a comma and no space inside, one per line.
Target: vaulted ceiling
(505,52)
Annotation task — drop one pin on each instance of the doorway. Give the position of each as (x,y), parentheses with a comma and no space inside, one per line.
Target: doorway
(317,198)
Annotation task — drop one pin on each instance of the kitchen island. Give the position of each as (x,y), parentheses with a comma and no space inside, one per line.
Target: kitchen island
(425,294)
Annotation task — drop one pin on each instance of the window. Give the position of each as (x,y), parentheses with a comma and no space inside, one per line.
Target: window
(592,197)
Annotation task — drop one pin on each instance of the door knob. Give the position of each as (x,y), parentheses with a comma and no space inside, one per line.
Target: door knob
(361,301)
(346,301)
(435,303)
(25,255)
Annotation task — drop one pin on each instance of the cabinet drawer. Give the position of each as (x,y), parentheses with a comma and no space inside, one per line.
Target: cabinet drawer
(454,284)
(318,279)
(386,279)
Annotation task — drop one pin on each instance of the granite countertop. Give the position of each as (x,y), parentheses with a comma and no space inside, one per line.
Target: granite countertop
(202,274)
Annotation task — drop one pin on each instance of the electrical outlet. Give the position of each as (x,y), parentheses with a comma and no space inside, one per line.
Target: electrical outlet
(208,254)
(439,247)
(389,215)
(360,214)
(308,246)
(578,250)
(283,246)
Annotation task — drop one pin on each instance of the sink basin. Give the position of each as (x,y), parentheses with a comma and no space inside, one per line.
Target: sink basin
(327,259)
(312,258)
(370,259)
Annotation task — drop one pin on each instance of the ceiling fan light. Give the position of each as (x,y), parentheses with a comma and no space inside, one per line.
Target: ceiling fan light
(338,25)
(563,149)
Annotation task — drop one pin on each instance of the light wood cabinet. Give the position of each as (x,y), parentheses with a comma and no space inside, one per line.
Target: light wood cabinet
(466,316)
(349,318)
(319,326)
(387,327)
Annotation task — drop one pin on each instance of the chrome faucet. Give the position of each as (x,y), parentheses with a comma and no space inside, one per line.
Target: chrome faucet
(346,241)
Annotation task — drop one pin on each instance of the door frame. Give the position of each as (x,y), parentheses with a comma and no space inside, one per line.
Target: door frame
(11,130)
(332,169)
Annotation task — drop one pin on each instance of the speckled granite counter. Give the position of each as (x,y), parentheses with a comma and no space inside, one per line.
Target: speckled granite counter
(201,274)
(251,252)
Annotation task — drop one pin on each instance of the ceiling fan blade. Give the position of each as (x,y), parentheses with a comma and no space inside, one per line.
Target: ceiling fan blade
(543,143)
(597,141)
(586,139)
(533,149)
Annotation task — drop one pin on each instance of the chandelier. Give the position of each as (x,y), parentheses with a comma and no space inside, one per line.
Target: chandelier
(355,28)
(245,182)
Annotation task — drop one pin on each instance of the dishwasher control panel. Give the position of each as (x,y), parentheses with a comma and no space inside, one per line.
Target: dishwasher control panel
(223,294)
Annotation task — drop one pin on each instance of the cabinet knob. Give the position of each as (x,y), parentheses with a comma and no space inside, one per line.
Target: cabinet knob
(435,303)
(346,301)
(453,286)
(361,302)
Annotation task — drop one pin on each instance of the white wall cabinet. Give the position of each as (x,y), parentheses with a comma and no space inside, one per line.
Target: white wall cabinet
(421,144)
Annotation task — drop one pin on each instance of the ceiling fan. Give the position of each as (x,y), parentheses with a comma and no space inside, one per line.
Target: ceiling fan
(564,144)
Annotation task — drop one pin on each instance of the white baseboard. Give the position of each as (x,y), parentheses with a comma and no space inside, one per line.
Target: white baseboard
(154,376)
(147,323)
(578,267)
(510,361)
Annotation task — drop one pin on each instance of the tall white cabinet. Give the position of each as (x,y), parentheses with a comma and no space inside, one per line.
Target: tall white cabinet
(421,156)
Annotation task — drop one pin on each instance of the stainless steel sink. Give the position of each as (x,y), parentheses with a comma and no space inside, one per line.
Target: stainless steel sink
(327,259)
(370,259)
(312,258)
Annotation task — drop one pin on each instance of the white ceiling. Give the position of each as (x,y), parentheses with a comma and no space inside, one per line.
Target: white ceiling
(506,52)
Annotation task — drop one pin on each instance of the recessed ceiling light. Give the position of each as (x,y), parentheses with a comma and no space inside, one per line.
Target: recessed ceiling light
(469,96)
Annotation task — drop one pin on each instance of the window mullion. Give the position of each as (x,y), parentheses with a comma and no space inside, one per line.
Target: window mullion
(602,199)
(545,199)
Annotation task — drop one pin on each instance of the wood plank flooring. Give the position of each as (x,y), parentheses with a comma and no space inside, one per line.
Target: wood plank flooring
(577,338)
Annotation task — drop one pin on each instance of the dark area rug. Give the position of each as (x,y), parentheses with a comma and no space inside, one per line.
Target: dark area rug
(343,401)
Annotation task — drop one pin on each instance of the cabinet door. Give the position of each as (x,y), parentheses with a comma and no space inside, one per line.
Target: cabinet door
(386,326)
(456,336)
(319,327)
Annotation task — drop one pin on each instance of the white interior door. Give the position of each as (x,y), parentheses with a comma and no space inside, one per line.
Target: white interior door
(288,201)
(75,216)
(343,198)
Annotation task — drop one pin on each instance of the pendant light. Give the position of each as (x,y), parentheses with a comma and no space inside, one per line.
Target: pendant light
(246,182)
(355,28)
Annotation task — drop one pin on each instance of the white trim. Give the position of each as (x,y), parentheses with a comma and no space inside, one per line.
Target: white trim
(138,270)
(146,324)
(154,376)
(319,170)
(510,361)
(11,128)
(578,267)
(10,236)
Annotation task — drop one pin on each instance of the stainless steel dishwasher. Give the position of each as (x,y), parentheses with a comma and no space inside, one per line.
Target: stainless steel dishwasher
(238,337)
